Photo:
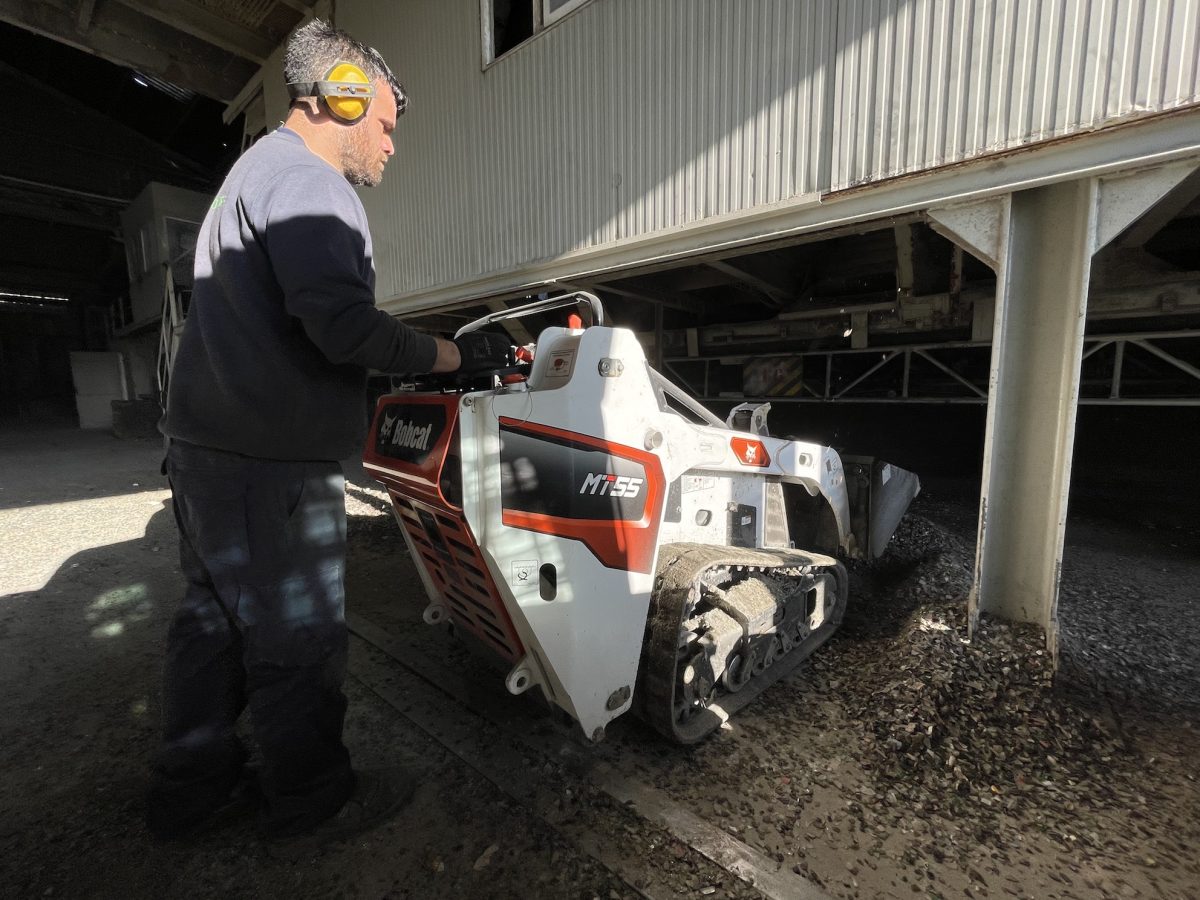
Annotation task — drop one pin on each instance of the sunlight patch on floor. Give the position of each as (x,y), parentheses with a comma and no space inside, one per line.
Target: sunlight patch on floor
(36,541)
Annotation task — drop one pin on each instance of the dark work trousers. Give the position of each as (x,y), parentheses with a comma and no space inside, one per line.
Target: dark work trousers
(261,624)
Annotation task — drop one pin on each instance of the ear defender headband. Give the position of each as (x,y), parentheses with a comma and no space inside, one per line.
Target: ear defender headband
(345,90)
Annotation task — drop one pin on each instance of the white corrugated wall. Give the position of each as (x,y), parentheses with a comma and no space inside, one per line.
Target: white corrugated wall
(923,83)
(631,119)
(627,118)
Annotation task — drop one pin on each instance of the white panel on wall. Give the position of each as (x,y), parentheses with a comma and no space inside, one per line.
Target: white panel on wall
(99,378)
(923,83)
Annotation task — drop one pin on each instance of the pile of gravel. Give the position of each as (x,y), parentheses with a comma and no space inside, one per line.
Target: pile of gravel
(979,722)
(976,730)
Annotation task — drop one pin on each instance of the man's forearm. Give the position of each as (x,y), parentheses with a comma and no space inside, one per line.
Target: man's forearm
(448,358)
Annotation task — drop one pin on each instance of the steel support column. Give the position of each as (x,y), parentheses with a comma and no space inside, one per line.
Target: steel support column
(1041,302)
(1041,242)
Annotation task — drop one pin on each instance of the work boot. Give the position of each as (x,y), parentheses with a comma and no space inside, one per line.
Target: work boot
(378,795)
(171,817)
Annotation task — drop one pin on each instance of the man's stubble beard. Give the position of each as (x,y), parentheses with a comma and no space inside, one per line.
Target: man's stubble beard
(357,164)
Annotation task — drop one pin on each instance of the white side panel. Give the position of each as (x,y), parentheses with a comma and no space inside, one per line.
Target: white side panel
(588,640)
(924,83)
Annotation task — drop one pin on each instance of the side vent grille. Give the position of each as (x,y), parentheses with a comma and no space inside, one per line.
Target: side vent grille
(454,564)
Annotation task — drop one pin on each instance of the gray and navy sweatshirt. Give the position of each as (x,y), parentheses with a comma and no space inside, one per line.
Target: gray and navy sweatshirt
(283,327)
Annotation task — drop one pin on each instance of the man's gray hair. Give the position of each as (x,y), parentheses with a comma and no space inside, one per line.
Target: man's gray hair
(316,47)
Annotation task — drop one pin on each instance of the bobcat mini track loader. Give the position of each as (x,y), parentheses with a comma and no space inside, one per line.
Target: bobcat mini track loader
(606,539)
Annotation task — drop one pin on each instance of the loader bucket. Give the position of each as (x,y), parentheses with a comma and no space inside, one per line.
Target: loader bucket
(879,494)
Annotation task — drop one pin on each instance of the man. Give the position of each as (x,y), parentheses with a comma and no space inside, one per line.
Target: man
(267,393)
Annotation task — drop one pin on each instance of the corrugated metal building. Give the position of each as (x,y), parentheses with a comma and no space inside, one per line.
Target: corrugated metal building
(626,123)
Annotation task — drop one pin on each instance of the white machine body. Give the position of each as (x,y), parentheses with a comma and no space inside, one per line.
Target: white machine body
(535,510)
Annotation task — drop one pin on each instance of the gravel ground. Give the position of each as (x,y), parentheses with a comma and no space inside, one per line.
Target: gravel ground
(903,759)
(906,758)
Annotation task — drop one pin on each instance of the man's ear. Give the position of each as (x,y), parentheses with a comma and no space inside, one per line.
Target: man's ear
(308,104)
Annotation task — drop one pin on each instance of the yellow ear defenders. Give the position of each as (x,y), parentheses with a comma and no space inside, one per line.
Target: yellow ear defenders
(345,90)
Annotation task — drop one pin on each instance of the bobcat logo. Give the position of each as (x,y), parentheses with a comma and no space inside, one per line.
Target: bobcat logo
(400,432)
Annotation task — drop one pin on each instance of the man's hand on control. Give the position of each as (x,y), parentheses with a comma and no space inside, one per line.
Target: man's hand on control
(483,350)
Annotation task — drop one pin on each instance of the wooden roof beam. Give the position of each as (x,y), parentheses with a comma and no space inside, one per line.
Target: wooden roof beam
(83,16)
(776,297)
(673,301)
(159,49)
(299,6)
(210,28)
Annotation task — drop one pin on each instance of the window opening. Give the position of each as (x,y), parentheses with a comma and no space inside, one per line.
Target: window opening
(512,24)
(553,10)
(509,23)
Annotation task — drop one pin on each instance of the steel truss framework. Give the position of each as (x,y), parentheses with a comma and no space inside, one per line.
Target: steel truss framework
(849,376)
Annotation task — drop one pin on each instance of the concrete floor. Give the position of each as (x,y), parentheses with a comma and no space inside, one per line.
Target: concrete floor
(89,576)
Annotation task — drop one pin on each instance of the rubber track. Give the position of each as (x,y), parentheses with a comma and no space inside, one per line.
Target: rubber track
(680,567)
